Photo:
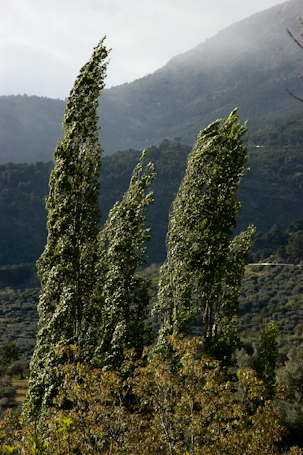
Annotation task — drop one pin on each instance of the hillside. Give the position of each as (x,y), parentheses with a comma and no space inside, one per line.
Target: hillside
(270,193)
(287,133)
(248,65)
(29,128)
(272,293)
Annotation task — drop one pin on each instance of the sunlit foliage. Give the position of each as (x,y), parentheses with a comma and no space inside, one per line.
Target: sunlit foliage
(184,405)
(201,277)
(66,310)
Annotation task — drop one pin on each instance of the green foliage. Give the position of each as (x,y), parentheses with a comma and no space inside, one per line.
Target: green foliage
(67,265)
(265,360)
(265,244)
(18,275)
(8,449)
(286,246)
(22,225)
(23,188)
(9,353)
(170,162)
(7,394)
(294,246)
(123,294)
(274,180)
(19,318)
(148,407)
(203,270)
(10,366)
(275,293)
(286,133)
(291,376)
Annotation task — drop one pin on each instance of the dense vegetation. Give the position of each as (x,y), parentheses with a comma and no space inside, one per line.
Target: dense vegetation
(93,387)
(202,273)
(266,293)
(181,405)
(92,311)
(285,134)
(270,193)
(68,311)
(274,176)
(19,318)
(11,366)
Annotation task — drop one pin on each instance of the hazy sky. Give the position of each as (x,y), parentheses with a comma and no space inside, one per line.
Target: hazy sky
(43,43)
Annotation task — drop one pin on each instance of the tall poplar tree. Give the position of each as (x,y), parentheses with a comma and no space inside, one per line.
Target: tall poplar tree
(67,313)
(123,294)
(201,277)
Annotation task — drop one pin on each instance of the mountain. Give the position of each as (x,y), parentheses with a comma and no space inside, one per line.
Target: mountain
(249,64)
(29,128)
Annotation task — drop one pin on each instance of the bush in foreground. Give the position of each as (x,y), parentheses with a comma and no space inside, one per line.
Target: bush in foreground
(183,405)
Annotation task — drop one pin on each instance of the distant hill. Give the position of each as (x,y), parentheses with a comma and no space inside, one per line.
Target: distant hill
(286,133)
(29,128)
(270,193)
(248,65)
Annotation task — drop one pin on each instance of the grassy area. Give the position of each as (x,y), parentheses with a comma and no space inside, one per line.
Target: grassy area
(22,386)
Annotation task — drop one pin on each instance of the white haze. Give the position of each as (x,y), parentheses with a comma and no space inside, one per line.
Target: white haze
(44,43)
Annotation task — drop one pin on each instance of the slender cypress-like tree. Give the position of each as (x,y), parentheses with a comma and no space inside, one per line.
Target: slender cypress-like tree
(67,314)
(122,293)
(201,277)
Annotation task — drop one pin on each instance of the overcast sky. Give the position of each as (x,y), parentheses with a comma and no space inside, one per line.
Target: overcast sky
(43,43)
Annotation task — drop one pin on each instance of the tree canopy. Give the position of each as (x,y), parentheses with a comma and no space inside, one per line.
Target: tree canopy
(66,309)
(201,276)
(123,295)
(150,408)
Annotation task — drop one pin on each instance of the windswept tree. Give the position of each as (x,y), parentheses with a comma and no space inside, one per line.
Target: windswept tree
(122,293)
(201,277)
(67,266)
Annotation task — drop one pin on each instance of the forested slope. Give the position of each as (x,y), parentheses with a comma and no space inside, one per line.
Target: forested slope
(270,193)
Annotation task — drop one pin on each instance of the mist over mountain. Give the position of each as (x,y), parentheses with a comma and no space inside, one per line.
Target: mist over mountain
(249,64)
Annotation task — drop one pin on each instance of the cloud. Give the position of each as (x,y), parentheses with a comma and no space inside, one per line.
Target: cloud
(43,44)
